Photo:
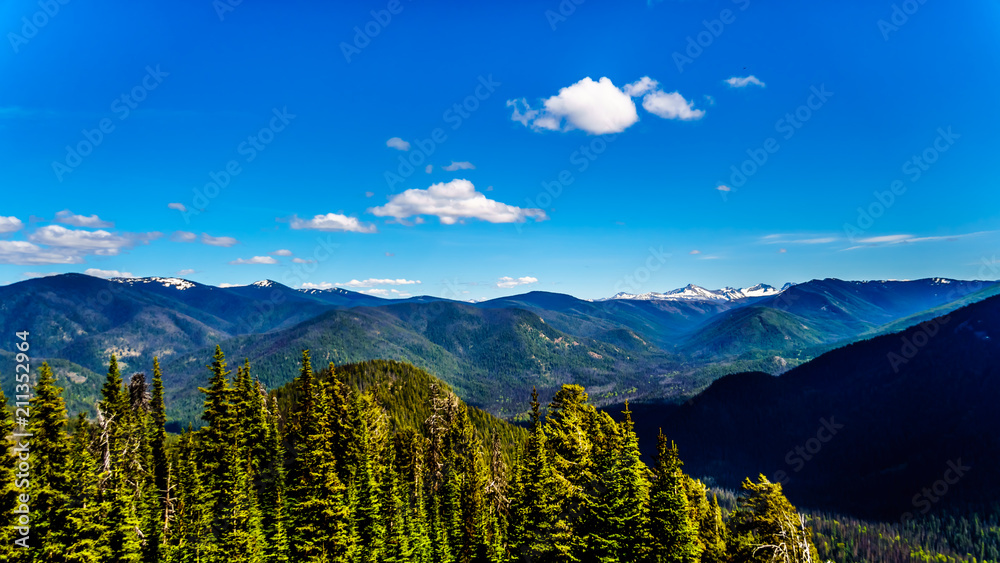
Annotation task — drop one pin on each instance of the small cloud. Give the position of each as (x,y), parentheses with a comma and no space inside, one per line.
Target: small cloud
(453,202)
(225,285)
(594,107)
(389,254)
(333,222)
(429,168)
(255,260)
(303,261)
(282,252)
(742,82)
(782,251)
(107,273)
(218,241)
(183,236)
(724,188)
(464,165)
(398,144)
(508,282)
(695,252)
(178,206)
(371,282)
(10,224)
(369,194)
(184,272)
(671,105)
(67,217)
(321,285)
(885,239)
(34,275)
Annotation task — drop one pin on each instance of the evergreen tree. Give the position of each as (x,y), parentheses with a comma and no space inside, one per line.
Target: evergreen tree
(85,532)
(49,479)
(366,507)
(542,534)
(320,519)
(674,536)
(160,467)
(272,492)
(766,527)
(191,540)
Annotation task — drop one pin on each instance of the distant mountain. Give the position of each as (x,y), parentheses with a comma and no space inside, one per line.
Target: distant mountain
(865,429)
(693,292)
(652,349)
(821,314)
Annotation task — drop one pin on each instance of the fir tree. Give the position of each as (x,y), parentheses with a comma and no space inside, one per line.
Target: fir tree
(49,479)
(766,527)
(8,493)
(674,536)
(318,510)
(160,467)
(85,533)
(272,492)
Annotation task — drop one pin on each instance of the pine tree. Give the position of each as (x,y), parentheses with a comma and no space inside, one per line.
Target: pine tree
(713,534)
(160,523)
(272,492)
(85,532)
(366,506)
(497,501)
(674,536)
(191,540)
(541,534)
(49,480)
(394,513)
(766,527)
(320,520)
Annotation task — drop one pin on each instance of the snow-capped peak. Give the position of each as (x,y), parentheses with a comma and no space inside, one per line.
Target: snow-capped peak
(177,283)
(692,292)
(263,283)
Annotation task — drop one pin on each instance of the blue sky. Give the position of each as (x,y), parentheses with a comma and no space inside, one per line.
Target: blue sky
(624,110)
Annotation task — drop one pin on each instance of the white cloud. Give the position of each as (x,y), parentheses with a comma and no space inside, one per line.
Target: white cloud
(27,254)
(742,82)
(282,252)
(464,165)
(640,87)
(10,224)
(601,107)
(370,282)
(397,143)
(107,273)
(98,242)
(369,194)
(695,252)
(376,292)
(218,241)
(885,239)
(671,106)
(595,107)
(453,202)
(184,272)
(508,282)
(782,251)
(178,206)
(429,168)
(724,188)
(224,285)
(333,222)
(321,285)
(67,217)
(303,261)
(183,236)
(255,260)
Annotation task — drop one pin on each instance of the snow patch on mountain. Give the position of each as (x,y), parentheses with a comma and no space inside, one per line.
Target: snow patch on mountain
(177,283)
(692,292)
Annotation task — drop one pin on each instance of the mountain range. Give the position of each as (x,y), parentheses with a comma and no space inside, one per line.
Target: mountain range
(492,353)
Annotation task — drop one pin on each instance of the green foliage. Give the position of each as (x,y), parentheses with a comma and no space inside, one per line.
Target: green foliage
(375,462)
